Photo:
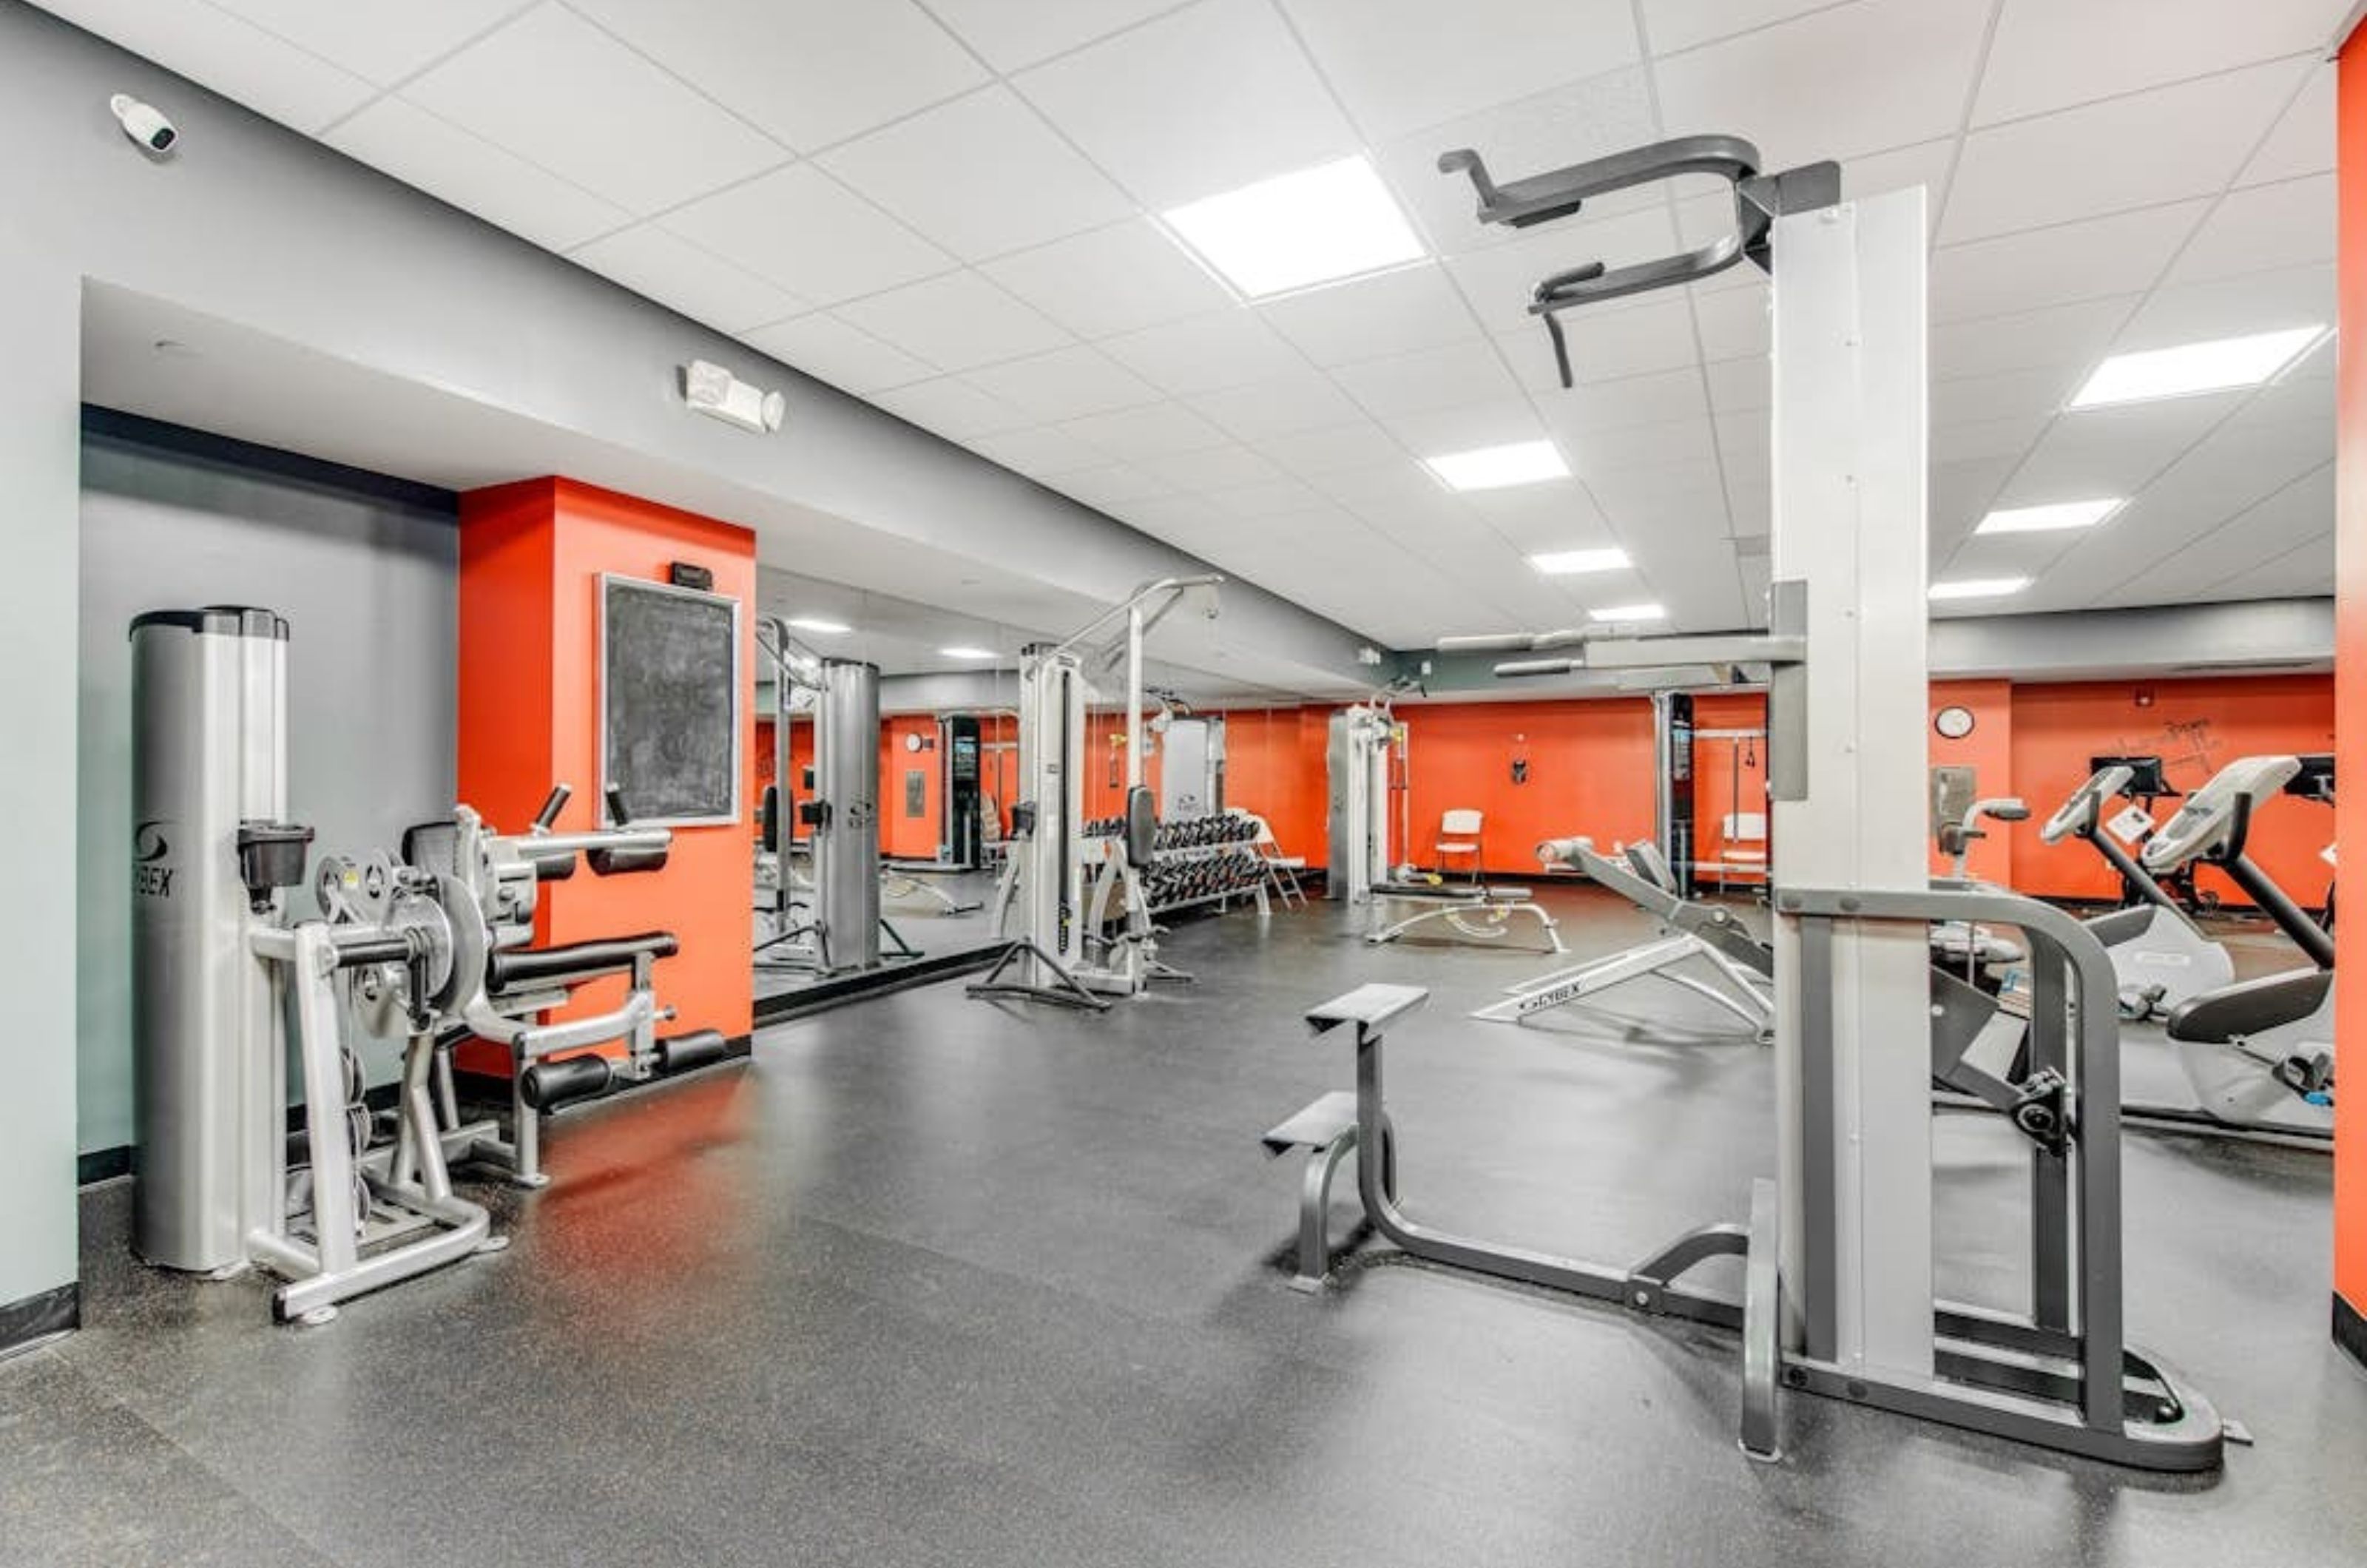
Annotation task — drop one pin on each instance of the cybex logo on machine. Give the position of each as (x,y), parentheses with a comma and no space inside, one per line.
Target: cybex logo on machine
(151,877)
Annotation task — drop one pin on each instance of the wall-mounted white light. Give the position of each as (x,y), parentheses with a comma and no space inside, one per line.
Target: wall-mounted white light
(715,393)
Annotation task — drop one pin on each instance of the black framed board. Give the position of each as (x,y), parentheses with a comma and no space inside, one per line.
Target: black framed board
(669,681)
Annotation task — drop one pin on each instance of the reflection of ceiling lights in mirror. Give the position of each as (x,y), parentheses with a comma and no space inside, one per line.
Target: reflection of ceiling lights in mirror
(960,652)
(1979,587)
(816,624)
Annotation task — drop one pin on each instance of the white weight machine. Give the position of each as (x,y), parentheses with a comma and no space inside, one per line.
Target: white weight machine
(1071,906)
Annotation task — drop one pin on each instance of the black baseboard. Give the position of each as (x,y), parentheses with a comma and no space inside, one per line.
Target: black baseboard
(41,1316)
(2350,1330)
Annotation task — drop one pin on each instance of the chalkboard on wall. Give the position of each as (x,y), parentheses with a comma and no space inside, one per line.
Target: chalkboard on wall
(670,701)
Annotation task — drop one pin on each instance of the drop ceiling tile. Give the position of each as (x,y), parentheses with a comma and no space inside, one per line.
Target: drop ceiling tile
(2046,54)
(1606,112)
(1500,280)
(385,43)
(1306,400)
(1692,440)
(1605,408)
(2293,516)
(2307,569)
(2262,228)
(1776,82)
(1735,324)
(400,138)
(2225,307)
(1202,100)
(1267,498)
(2060,335)
(2120,254)
(1674,25)
(1066,384)
(981,175)
(1343,449)
(234,58)
(1544,516)
(2096,453)
(653,142)
(1411,309)
(1402,64)
(951,407)
(1227,348)
(1011,35)
(1965,440)
(839,353)
(809,72)
(1639,501)
(1740,386)
(2009,394)
(1217,467)
(1435,379)
(1151,429)
(958,321)
(2154,147)
(808,232)
(2303,141)
(1044,450)
(677,274)
(1433,432)
(1111,280)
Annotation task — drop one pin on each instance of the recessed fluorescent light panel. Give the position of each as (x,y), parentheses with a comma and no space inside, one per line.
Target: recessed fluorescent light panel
(2052,518)
(1497,468)
(1296,231)
(1631,612)
(816,624)
(2193,367)
(1571,563)
(1979,587)
(967,652)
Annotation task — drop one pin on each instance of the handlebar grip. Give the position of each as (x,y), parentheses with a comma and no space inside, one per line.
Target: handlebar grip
(552,805)
(617,816)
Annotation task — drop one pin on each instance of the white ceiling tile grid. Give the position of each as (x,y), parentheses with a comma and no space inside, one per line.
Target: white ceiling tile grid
(951,207)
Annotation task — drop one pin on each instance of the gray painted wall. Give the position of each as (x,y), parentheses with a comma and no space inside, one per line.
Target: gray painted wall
(369,586)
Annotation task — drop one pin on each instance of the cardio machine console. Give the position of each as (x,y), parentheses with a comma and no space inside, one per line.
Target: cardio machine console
(2079,814)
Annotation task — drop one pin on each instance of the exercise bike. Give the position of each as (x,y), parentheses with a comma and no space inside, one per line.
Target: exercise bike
(2160,958)
(2259,1052)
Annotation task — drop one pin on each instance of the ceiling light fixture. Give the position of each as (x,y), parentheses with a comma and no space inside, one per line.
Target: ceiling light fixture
(1570,563)
(2191,369)
(1979,587)
(959,653)
(816,624)
(2051,517)
(1631,612)
(1497,468)
(1296,231)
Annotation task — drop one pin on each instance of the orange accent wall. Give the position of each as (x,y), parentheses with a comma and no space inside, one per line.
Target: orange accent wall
(2197,728)
(902,836)
(531,557)
(1591,771)
(2350,662)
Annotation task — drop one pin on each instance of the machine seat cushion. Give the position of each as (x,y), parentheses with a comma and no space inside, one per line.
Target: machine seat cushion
(2249,1007)
(519,968)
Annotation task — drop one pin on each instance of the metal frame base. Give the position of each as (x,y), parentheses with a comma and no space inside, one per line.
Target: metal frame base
(1070,991)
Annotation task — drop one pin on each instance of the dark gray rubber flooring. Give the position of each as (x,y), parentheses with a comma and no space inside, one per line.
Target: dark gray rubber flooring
(934,1280)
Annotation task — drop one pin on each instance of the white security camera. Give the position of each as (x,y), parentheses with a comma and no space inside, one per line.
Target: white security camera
(144,123)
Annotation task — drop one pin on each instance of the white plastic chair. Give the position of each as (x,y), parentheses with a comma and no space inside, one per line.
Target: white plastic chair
(1281,870)
(1459,834)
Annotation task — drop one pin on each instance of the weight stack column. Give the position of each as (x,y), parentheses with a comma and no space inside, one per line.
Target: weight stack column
(208,750)
(846,843)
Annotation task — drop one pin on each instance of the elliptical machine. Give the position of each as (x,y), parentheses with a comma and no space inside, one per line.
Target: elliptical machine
(2160,956)
(2283,1023)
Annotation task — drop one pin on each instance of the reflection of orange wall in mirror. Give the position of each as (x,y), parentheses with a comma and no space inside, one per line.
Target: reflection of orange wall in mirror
(531,558)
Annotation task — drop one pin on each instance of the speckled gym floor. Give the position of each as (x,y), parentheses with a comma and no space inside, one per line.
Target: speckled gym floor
(933,1281)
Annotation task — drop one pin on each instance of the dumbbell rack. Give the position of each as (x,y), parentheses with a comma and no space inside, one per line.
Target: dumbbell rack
(1205,859)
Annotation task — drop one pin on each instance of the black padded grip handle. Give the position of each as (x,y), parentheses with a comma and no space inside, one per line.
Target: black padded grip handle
(618,862)
(575,961)
(696,1049)
(553,805)
(549,1084)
